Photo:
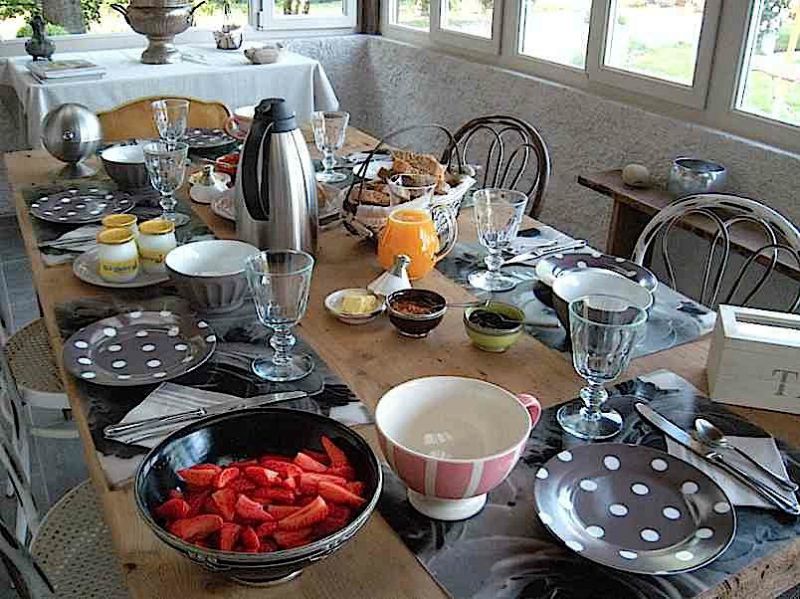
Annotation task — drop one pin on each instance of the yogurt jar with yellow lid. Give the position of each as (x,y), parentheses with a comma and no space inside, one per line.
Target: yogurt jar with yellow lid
(156,240)
(121,221)
(118,257)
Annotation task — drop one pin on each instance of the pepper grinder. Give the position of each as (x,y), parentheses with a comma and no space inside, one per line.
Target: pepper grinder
(394,279)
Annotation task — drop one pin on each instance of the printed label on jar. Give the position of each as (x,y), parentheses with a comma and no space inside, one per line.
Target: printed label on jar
(151,257)
(120,268)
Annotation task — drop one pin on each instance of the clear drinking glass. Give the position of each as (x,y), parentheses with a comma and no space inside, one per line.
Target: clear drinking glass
(605,330)
(498,214)
(171,117)
(279,281)
(166,166)
(330,129)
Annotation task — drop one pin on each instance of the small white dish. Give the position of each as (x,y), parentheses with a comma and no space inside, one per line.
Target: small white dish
(86,267)
(333,303)
(205,194)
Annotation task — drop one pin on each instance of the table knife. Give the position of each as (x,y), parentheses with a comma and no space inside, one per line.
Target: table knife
(709,454)
(545,251)
(118,430)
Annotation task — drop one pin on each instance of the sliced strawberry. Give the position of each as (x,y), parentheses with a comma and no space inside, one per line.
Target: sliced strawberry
(304,500)
(289,483)
(267,546)
(176,494)
(327,527)
(279,512)
(228,535)
(173,509)
(273,457)
(200,476)
(310,480)
(196,502)
(287,539)
(314,512)
(242,464)
(224,502)
(285,469)
(273,495)
(199,527)
(202,543)
(249,541)
(339,512)
(320,456)
(261,476)
(265,529)
(356,487)
(226,477)
(345,472)
(309,464)
(247,509)
(338,494)
(337,457)
(242,485)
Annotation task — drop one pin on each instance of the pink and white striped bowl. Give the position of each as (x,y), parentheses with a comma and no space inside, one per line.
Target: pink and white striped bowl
(452,440)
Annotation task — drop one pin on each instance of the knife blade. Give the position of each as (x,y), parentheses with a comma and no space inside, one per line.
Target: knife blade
(545,251)
(709,454)
(118,430)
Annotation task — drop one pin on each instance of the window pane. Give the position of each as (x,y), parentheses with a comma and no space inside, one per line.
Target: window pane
(468,16)
(413,13)
(311,8)
(556,30)
(655,39)
(771,82)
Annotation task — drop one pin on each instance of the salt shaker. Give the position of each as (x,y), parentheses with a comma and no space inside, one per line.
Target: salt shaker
(394,279)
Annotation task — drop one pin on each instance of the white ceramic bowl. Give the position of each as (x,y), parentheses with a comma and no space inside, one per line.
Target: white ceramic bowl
(452,440)
(333,304)
(125,165)
(210,274)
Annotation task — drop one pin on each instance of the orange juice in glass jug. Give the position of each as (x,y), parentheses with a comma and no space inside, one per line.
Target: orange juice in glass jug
(413,232)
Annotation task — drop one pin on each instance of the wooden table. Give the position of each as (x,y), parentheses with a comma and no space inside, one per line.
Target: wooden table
(371,359)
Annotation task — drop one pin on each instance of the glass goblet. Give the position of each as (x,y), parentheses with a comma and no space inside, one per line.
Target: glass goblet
(604,330)
(166,167)
(171,117)
(330,129)
(498,214)
(279,281)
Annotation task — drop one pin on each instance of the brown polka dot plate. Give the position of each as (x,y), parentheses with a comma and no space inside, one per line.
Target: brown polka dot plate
(139,348)
(634,508)
(547,269)
(81,206)
(208,139)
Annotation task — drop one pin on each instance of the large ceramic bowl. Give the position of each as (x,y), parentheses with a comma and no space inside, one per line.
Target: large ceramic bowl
(125,165)
(242,435)
(452,440)
(210,274)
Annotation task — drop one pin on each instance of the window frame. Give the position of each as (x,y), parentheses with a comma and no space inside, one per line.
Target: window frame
(263,18)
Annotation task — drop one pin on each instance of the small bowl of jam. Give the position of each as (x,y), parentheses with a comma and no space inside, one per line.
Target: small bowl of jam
(495,326)
(415,312)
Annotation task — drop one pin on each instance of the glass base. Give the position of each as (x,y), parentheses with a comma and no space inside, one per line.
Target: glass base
(178,218)
(574,419)
(492,281)
(298,367)
(331,177)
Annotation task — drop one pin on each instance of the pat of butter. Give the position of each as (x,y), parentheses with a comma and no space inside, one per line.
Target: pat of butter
(359,304)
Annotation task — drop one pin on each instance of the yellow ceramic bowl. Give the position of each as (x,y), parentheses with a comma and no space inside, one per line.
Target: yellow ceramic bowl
(492,339)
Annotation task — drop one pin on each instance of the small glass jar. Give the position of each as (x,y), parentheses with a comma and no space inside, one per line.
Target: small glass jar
(118,256)
(122,221)
(156,240)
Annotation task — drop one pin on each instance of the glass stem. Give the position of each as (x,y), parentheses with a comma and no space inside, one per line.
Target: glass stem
(594,395)
(328,161)
(282,342)
(168,203)
(493,261)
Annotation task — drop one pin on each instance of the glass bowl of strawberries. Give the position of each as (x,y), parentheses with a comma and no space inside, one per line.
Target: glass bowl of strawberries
(259,494)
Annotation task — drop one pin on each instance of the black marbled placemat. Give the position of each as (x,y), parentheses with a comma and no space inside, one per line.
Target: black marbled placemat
(504,552)
(240,338)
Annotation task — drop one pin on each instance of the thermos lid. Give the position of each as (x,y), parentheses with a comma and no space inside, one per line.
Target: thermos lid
(277,112)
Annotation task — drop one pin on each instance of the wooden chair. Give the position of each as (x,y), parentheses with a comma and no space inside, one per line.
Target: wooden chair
(516,156)
(726,213)
(134,120)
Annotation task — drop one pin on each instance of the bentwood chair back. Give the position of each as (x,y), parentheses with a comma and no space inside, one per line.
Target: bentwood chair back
(509,153)
(134,120)
(775,236)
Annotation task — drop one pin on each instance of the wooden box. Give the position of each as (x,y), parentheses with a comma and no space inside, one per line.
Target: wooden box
(754,359)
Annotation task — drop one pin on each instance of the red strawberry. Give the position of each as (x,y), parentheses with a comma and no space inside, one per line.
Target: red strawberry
(314,512)
(273,457)
(196,502)
(273,495)
(265,529)
(242,485)
(176,494)
(289,483)
(339,512)
(310,480)
(173,509)
(243,464)
(320,456)
(327,527)
(304,500)
(281,511)
(224,502)
(248,509)
(228,535)
(287,539)
(346,472)
(338,494)
(202,543)
(356,487)
(249,541)
(337,457)
(201,476)
(309,464)
(190,529)
(267,546)
(285,469)
(225,477)
(261,476)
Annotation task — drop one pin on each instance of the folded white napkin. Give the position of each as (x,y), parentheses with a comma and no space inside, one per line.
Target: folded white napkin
(761,449)
(548,236)
(86,232)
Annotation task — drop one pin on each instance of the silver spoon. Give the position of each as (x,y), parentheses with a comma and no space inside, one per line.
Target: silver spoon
(714,437)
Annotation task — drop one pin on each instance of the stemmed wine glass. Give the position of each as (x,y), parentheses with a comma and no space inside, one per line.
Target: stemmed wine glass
(330,129)
(166,167)
(498,214)
(279,281)
(605,330)
(171,117)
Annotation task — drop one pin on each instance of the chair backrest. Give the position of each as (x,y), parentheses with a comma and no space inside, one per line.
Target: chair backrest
(135,119)
(509,152)
(727,213)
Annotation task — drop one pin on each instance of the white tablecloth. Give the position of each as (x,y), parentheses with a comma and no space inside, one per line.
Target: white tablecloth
(205,73)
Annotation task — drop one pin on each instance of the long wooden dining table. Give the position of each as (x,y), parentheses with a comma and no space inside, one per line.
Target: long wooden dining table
(371,359)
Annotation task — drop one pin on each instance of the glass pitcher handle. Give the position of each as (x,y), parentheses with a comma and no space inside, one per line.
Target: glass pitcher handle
(447,227)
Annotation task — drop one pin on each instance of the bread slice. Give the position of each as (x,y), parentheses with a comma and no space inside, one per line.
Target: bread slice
(425,164)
